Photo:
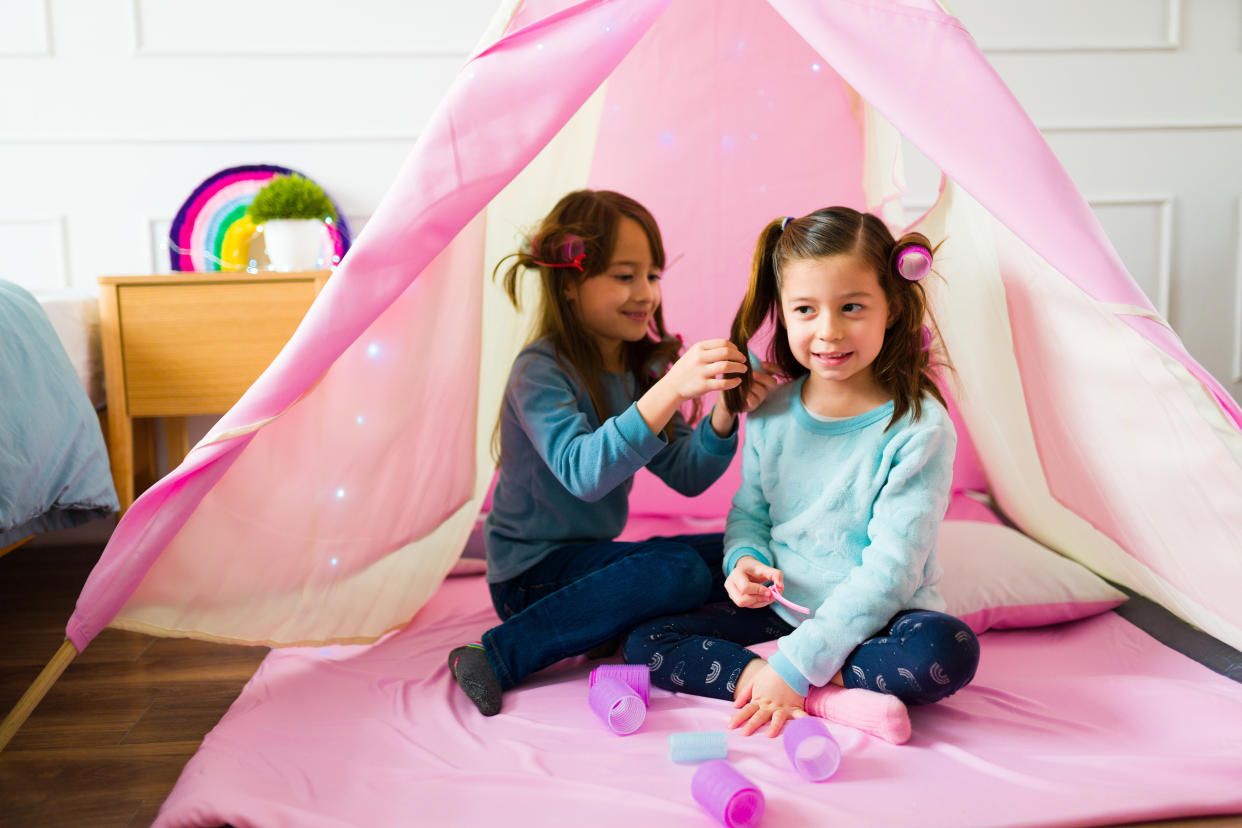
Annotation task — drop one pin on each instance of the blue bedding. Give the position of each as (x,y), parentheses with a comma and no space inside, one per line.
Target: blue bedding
(54,470)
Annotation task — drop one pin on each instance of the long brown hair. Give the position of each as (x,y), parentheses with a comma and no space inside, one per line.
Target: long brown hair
(593,217)
(904,367)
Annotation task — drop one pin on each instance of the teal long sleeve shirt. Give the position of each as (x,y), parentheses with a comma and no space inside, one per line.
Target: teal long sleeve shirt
(565,477)
(849,512)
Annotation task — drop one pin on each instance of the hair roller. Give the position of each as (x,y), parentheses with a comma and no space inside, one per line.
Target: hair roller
(913,262)
(570,252)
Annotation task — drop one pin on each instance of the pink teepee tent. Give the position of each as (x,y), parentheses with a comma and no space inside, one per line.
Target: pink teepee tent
(329,503)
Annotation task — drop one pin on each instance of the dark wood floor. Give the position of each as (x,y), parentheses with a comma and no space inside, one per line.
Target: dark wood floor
(108,742)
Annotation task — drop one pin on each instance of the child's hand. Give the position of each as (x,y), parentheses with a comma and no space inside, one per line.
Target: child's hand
(745,583)
(705,367)
(762,384)
(767,699)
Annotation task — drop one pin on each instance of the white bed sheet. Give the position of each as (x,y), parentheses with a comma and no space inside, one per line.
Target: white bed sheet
(75,317)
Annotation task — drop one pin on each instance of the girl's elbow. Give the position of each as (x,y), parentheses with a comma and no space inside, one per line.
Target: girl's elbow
(589,495)
(691,489)
(583,489)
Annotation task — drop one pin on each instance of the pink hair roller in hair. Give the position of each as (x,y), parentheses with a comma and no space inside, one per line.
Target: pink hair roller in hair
(637,676)
(727,795)
(811,749)
(617,705)
(914,262)
(574,250)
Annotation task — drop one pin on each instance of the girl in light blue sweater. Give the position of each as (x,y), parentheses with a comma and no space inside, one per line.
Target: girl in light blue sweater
(846,475)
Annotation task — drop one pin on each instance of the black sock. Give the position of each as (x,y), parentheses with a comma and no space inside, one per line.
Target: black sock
(474,675)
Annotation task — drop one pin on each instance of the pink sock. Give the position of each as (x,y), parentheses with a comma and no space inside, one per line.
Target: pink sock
(876,713)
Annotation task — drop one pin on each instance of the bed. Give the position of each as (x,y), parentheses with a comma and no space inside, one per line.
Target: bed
(1087,722)
(54,470)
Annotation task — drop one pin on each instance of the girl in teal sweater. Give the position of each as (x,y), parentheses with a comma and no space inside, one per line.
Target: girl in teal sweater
(594,398)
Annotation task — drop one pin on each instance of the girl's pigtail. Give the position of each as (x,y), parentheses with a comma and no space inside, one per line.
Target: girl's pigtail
(511,280)
(906,361)
(760,304)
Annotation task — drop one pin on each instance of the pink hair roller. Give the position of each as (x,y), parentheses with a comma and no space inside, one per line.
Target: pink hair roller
(637,676)
(811,749)
(775,595)
(574,251)
(727,795)
(617,705)
(914,262)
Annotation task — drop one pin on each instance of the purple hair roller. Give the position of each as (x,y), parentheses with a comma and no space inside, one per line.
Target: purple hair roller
(637,676)
(914,262)
(617,705)
(727,795)
(811,749)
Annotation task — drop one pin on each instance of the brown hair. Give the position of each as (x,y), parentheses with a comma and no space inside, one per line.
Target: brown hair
(904,365)
(593,217)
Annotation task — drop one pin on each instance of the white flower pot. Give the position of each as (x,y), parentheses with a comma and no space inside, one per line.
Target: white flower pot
(294,244)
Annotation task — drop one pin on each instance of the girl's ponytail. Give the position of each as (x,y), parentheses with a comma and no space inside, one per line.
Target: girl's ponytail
(760,304)
(907,361)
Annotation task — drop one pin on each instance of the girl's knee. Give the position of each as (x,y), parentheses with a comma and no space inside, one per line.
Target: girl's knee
(940,654)
(937,630)
(952,650)
(682,578)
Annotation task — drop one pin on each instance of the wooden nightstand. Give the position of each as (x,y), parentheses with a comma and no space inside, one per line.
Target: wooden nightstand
(184,344)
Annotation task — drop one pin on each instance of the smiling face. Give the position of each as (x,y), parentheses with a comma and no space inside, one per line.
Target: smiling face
(836,314)
(617,305)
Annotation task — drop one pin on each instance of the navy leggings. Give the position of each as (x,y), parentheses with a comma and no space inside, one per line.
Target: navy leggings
(919,656)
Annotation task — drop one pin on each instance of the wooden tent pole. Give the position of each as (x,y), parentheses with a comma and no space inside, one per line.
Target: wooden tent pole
(35,693)
(6,550)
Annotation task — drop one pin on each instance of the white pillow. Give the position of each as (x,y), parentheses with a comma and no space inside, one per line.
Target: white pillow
(998,578)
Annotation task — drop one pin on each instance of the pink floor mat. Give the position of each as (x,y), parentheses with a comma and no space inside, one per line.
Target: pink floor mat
(1087,723)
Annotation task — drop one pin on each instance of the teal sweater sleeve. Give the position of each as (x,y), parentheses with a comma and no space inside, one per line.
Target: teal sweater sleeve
(696,457)
(565,476)
(589,462)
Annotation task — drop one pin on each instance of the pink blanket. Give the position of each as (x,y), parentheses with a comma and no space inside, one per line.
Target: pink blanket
(1088,723)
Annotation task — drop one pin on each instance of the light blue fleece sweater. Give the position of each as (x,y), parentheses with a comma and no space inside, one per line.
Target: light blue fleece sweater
(565,477)
(849,513)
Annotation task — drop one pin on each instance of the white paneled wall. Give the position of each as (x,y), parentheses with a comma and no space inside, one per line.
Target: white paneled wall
(1142,102)
(111,111)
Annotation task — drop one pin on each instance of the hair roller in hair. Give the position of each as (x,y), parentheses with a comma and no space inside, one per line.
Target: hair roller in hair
(573,251)
(914,262)
(637,676)
(617,705)
(811,749)
(727,795)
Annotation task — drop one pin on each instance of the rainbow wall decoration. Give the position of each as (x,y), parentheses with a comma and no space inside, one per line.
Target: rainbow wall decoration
(212,231)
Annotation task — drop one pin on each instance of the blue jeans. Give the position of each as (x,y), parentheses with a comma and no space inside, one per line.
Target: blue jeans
(582,595)
(919,656)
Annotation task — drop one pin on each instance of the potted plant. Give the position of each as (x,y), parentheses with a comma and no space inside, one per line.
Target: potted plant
(290,211)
